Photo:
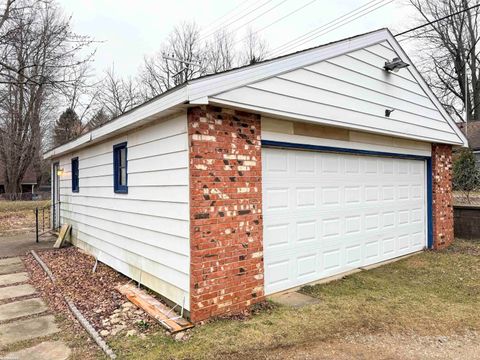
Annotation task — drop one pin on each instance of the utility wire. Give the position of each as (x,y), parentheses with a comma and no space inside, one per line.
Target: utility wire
(255,18)
(311,32)
(278,20)
(437,20)
(234,21)
(224,15)
(338,25)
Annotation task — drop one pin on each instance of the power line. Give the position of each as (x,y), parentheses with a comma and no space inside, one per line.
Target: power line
(278,20)
(227,13)
(234,21)
(338,25)
(301,37)
(437,20)
(255,18)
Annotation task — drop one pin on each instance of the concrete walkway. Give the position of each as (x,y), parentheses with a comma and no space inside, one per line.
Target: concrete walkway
(17,245)
(23,319)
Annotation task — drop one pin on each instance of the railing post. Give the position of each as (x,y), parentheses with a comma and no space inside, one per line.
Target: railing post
(36,224)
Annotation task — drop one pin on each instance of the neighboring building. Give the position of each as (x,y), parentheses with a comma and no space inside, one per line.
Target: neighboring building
(29,180)
(472,133)
(267,177)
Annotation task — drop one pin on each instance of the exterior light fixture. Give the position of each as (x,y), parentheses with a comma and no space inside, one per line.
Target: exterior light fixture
(388,112)
(395,65)
(60,172)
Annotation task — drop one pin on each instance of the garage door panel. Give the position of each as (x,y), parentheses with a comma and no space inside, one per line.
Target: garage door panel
(327,213)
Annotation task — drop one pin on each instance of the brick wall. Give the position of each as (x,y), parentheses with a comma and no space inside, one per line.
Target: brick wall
(442,196)
(225,211)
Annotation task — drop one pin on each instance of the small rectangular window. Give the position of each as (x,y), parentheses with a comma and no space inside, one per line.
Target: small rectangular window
(120,174)
(75,174)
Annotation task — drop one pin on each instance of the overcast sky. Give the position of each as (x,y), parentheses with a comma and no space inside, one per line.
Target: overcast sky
(130,29)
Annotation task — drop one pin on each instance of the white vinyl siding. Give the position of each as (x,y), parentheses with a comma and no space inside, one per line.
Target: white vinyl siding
(145,233)
(352,91)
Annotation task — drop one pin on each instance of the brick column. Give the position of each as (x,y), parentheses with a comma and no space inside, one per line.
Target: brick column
(225,211)
(442,196)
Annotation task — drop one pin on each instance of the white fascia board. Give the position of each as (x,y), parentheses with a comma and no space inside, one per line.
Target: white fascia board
(217,84)
(423,84)
(151,108)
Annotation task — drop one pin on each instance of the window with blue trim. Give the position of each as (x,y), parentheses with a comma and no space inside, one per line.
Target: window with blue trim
(75,174)
(120,175)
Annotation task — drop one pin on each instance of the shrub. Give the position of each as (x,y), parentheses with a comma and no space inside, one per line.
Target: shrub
(466,176)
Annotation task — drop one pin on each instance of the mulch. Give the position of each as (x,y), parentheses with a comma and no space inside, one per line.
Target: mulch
(94,294)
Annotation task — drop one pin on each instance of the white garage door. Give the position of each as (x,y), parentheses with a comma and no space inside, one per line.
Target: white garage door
(327,213)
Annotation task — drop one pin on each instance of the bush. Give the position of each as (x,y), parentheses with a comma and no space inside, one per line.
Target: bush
(466,176)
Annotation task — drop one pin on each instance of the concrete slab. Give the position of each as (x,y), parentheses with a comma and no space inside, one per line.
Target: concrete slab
(11,292)
(11,268)
(10,261)
(27,329)
(51,350)
(13,278)
(22,308)
(21,244)
(294,299)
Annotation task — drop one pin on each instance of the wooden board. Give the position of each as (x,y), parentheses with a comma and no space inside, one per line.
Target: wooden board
(154,308)
(62,235)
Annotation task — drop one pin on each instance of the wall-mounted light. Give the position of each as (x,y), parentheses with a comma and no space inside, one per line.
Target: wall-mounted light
(388,112)
(395,65)
(60,172)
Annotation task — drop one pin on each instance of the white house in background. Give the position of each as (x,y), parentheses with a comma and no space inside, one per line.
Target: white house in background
(267,177)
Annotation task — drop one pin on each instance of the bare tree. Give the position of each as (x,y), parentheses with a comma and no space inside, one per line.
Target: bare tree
(181,58)
(449,51)
(38,54)
(220,54)
(117,95)
(254,48)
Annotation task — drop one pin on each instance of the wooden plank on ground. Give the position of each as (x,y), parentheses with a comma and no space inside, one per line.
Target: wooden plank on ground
(62,236)
(154,308)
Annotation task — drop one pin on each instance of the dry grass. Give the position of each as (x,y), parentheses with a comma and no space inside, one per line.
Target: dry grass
(434,293)
(18,216)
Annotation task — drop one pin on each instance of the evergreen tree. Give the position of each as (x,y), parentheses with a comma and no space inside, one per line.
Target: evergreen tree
(466,176)
(98,119)
(67,127)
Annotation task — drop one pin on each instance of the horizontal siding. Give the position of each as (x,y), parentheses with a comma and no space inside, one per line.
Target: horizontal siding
(145,233)
(352,91)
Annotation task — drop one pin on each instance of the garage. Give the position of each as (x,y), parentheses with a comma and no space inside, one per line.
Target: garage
(326,213)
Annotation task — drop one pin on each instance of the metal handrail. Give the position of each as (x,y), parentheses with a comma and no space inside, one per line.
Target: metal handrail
(48,222)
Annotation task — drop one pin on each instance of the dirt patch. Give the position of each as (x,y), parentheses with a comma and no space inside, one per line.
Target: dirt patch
(94,294)
(19,216)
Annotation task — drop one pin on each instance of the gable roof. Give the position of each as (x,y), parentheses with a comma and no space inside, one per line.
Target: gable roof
(199,91)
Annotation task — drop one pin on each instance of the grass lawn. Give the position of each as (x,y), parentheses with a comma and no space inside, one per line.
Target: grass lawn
(430,294)
(18,216)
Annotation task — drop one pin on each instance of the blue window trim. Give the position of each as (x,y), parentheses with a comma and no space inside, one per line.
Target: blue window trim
(118,188)
(75,175)
(427,159)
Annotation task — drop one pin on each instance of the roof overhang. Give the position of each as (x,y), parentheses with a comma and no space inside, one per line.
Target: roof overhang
(199,91)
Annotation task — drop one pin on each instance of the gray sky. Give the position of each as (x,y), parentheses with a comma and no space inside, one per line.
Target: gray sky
(130,29)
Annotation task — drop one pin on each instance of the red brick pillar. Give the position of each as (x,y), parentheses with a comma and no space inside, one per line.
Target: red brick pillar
(442,196)
(225,211)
